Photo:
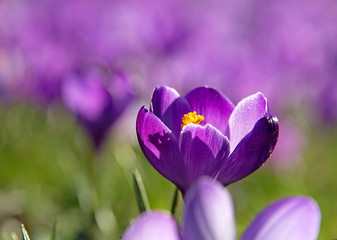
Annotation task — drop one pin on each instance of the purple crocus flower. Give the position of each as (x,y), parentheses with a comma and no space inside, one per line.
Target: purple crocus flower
(209,215)
(97,98)
(230,142)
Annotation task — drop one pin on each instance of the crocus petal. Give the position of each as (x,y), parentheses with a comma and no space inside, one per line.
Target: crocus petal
(203,150)
(162,98)
(244,117)
(167,105)
(293,218)
(86,98)
(213,105)
(89,99)
(209,212)
(253,150)
(160,146)
(153,226)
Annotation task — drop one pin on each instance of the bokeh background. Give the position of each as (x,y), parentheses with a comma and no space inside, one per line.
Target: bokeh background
(74,74)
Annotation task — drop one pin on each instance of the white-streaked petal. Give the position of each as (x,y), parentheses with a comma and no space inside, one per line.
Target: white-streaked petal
(292,218)
(248,111)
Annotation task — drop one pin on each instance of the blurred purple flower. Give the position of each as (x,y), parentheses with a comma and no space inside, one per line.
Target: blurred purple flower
(229,144)
(31,38)
(97,98)
(284,49)
(273,47)
(46,41)
(209,214)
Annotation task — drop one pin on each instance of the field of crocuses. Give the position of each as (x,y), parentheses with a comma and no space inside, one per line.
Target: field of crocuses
(168,119)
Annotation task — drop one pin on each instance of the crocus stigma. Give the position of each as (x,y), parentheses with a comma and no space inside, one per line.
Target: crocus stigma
(191,117)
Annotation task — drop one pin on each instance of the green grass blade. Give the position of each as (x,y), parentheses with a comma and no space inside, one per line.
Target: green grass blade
(53,234)
(142,200)
(24,232)
(176,202)
(14,236)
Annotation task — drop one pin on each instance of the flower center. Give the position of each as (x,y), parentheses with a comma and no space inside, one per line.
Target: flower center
(191,117)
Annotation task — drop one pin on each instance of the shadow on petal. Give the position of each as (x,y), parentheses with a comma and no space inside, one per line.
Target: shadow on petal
(160,147)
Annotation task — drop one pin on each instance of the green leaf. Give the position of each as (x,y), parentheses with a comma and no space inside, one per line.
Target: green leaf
(142,200)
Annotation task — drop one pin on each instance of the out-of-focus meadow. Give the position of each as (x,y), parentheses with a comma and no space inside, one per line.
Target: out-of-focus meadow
(74,74)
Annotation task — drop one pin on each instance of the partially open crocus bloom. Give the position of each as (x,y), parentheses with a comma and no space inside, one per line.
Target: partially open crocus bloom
(97,99)
(203,133)
(209,215)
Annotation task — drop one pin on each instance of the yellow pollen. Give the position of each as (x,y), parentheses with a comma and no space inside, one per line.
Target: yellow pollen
(191,117)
